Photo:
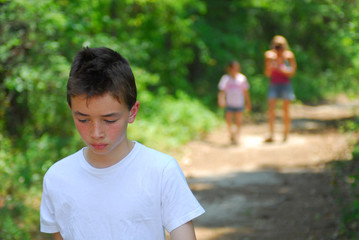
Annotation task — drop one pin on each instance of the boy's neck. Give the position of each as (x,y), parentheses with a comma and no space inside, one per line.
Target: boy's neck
(111,158)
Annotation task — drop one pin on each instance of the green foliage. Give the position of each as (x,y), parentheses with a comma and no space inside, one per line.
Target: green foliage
(258,92)
(11,220)
(9,230)
(348,177)
(167,122)
(351,126)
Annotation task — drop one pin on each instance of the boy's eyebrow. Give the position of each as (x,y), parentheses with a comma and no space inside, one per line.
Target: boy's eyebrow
(111,115)
(81,114)
(106,115)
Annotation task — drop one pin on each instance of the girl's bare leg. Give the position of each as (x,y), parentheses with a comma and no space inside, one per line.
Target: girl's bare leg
(229,117)
(271,118)
(238,120)
(286,119)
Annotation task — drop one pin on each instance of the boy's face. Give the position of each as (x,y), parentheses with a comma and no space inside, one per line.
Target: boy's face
(102,122)
(234,69)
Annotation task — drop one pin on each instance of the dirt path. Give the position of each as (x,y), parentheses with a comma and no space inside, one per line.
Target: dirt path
(270,191)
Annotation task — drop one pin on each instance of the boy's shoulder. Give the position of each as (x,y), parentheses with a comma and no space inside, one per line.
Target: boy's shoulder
(241,78)
(225,77)
(65,165)
(152,156)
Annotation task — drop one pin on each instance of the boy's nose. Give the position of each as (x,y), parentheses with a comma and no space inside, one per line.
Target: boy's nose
(97,130)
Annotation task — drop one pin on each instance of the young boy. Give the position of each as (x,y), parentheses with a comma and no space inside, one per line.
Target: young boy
(113,188)
(234,96)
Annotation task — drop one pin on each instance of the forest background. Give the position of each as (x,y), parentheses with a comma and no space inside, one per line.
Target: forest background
(178,51)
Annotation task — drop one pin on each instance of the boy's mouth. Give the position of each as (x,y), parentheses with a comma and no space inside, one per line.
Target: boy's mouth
(98,146)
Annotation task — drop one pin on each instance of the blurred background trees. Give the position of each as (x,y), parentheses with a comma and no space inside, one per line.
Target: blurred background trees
(178,51)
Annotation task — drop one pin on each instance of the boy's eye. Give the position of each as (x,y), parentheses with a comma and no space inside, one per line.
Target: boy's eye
(110,121)
(82,120)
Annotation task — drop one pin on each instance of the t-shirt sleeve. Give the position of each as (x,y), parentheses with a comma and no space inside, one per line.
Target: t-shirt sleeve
(245,84)
(179,205)
(47,218)
(222,83)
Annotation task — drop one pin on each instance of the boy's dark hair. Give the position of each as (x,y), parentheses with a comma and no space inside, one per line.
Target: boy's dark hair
(232,62)
(97,71)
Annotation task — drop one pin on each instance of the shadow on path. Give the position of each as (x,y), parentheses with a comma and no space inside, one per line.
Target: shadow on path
(266,205)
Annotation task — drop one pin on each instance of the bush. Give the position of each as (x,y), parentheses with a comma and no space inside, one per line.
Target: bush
(166,122)
(347,177)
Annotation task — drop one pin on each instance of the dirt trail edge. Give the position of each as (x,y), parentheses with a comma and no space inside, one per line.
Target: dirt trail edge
(257,190)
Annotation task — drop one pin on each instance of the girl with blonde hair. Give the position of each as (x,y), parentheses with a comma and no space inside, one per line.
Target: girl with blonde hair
(280,66)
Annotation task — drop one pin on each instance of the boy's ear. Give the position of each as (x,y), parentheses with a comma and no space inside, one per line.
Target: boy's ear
(133,112)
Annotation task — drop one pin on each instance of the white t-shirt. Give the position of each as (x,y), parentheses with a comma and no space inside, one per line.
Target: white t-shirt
(134,199)
(234,88)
